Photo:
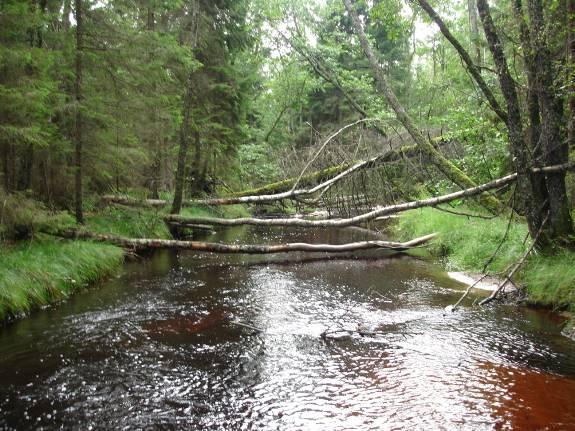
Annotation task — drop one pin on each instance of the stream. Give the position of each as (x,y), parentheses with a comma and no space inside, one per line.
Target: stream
(182,340)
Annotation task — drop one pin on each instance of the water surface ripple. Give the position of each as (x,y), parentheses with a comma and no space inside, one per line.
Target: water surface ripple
(188,341)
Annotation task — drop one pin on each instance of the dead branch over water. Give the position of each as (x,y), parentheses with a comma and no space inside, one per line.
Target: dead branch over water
(137,244)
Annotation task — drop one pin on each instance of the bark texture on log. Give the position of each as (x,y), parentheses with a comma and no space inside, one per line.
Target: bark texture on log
(145,243)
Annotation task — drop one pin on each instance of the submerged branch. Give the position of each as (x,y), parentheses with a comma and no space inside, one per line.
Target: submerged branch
(516,267)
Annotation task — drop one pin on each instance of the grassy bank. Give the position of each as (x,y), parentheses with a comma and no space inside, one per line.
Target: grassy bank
(41,270)
(466,244)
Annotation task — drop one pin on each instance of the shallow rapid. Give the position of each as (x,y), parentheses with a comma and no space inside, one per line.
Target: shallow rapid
(291,342)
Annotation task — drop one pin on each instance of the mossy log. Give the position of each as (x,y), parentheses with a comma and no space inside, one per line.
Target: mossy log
(133,202)
(282,189)
(452,172)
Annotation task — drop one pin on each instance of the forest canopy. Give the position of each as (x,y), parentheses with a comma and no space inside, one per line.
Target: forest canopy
(180,100)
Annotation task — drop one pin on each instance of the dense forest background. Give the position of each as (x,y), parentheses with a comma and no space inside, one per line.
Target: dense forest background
(180,99)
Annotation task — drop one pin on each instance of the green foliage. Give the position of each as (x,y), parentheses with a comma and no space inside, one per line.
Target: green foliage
(21,217)
(467,243)
(44,271)
(129,222)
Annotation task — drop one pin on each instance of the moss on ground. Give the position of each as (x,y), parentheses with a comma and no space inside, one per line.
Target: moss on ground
(466,244)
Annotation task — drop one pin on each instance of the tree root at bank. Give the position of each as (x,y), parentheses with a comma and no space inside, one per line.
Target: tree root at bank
(142,244)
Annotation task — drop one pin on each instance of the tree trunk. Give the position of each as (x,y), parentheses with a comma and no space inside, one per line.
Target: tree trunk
(78,123)
(6,166)
(470,65)
(474,30)
(451,171)
(533,203)
(553,143)
(534,128)
(183,150)
(185,126)
(199,175)
(66,15)
(571,71)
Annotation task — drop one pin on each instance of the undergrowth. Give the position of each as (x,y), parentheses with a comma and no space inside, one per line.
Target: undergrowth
(129,222)
(466,244)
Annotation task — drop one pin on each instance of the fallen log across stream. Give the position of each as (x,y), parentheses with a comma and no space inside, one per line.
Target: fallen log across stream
(182,221)
(277,191)
(137,244)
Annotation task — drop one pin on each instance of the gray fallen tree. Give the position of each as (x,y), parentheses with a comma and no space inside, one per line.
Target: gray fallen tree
(182,221)
(133,202)
(141,244)
(339,172)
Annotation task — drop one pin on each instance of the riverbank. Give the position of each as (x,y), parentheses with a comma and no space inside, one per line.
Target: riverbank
(40,270)
(467,243)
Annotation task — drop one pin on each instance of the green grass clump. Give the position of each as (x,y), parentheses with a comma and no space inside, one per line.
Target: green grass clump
(129,222)
(43,271)
(550,280)
(467,242)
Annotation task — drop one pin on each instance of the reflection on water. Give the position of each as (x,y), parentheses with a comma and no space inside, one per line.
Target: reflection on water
(188,341)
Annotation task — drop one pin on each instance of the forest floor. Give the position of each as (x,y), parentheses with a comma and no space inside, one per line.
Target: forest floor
(467,244)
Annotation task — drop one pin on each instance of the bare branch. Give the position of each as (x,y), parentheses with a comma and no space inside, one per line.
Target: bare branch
(146,243)
(383,211)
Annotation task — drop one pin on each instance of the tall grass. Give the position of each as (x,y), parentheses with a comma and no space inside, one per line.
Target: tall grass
(550,280)
(465,244)
(468,243)
(129,222)
(43,271)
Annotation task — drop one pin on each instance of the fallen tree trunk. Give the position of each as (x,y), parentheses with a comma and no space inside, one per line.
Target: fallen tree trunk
(384,211)
(292,194)
(263,195)
(146,244)
(133,202)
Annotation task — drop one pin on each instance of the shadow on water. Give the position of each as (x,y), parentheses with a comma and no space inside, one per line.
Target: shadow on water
(201,341)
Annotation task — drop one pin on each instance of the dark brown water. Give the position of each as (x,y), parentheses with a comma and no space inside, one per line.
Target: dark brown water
(171,344)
